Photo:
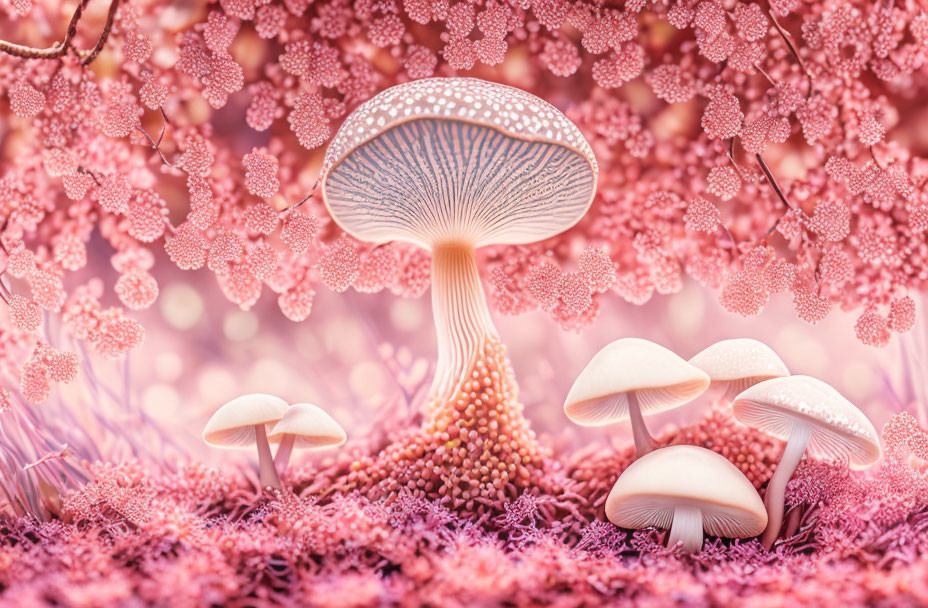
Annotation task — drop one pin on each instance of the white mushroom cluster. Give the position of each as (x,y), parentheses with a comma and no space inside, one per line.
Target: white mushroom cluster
(259,419)
(691,490)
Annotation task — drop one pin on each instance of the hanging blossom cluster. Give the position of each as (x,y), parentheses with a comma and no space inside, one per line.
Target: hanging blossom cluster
(748,146)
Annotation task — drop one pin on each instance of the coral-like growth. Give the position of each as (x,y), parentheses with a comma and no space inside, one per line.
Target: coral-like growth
(475,453)
(196,533)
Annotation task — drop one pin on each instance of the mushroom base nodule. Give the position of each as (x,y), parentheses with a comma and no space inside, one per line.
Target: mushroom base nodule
(476,448)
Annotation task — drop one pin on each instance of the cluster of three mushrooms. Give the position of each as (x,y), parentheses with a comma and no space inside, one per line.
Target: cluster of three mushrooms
(259,419)
(687,489)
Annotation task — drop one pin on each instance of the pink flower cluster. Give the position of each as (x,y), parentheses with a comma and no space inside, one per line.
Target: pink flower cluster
(752,148)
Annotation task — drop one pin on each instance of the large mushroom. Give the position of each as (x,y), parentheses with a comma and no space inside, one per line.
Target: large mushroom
(241,423)
(452,165)
(735,365)
(689,490)
(812,417)
(629,379)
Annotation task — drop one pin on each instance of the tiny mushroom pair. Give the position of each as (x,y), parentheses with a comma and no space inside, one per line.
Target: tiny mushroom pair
(260,419)
(690,489)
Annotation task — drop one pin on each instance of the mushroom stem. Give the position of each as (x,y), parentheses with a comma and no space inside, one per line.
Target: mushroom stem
(462,319)
(776,489)
(644,443)
(282,457)
(686,528)
(267,474)
(793,520)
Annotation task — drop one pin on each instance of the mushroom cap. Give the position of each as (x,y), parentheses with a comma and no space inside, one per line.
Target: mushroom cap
(649,490)
(457,159)
(839,430)
(311,425)
(233,425)
(661,380)
(735,365)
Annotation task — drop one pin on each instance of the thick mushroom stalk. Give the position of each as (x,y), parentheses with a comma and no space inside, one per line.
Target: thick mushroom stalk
(686,528)
(267,473)
(462,319)
(776,488)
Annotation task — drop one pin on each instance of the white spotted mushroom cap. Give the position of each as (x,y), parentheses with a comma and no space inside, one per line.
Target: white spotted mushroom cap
(840,431)
(652,487)
(660,379)
(233,425)
(735,365)
(457,159)
(311,426)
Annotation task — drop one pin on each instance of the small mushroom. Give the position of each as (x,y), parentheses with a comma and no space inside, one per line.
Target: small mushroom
(812,417)
(628,379)
(304,426)
(241,423)
(735,365)
(690,490)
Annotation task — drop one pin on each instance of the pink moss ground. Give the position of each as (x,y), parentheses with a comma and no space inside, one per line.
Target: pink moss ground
(197,537)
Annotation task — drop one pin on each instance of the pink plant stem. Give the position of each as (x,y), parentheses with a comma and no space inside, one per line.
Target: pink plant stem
(282,457)
(644,443)
(267,474)
(776,489)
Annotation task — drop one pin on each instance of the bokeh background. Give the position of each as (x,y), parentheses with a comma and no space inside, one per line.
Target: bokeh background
(201,351)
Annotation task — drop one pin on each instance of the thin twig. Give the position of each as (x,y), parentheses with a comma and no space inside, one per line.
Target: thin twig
(731,156)
(53,52)
(773,182)
(305,198)
(59,49)
(155,145)
(104,35)
(90,173)
(766,75)
(788,39)
(776,188)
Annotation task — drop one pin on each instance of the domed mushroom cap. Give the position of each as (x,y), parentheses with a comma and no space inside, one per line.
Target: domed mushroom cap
(737,364)
(233,425)
(840,431)
(311,426)
(457,159)
(649,490)
(660,379)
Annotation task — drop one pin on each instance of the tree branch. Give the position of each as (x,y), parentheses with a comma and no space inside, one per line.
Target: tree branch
(58,50)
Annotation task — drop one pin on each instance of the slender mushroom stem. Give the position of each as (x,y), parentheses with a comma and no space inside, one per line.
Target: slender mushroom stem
(644,442)
(793,520)
(686,528)
(282,457)
(267,474)
(462,319)
(776,489)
